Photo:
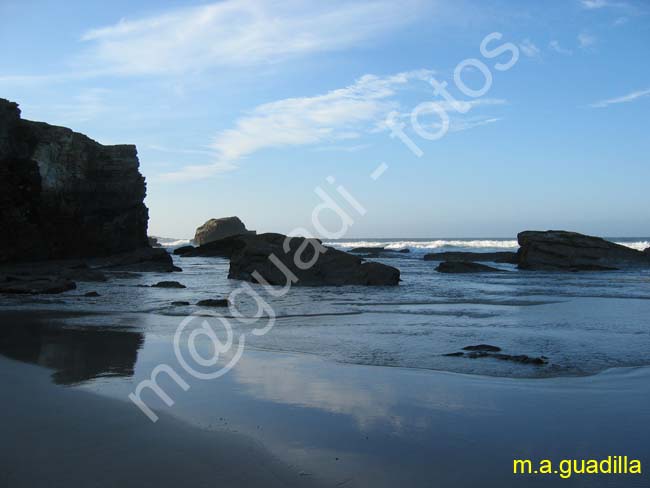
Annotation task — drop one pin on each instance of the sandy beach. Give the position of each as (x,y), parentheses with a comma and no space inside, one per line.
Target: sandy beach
(280,419)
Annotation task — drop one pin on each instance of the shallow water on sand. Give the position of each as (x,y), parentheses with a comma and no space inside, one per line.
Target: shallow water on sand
(582,322)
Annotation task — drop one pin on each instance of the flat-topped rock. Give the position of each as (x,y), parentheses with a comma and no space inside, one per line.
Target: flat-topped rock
(562,250)
(216,229)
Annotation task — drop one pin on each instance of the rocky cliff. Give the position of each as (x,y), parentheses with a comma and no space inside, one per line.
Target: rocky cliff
(64,195)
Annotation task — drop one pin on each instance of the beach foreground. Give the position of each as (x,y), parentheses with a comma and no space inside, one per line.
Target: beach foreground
(281,419)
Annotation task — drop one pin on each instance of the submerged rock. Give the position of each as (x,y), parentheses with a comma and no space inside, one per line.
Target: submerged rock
(215,229)
(482,347)
(277,259)
(464,267)
(168,284)
(180,303)
(488,351)
(219,302)
(92,294)
(495,257)
(64,195)
(561,250)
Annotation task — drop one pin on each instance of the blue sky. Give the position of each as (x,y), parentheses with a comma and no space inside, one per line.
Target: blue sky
(244,107)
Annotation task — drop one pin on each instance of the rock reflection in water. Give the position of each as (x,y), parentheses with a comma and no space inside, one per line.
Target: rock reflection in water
(76,354)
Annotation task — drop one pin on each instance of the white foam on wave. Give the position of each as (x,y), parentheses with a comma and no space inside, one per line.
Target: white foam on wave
(434,244)
(638,245)
(170,242)
(507,244)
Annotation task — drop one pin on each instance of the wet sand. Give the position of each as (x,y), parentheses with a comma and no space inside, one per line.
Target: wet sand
(281,419)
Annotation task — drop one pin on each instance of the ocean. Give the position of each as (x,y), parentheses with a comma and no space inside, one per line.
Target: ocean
(583,322)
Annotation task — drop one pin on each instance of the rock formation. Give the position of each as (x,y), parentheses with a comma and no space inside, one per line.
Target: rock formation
(561,250)
(64,195)
(253,253)
(215,229)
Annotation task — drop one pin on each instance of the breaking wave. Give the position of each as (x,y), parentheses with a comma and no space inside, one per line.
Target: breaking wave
(434,244)
(451,244)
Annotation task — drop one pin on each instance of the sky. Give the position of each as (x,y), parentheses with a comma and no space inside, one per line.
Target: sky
(278,111)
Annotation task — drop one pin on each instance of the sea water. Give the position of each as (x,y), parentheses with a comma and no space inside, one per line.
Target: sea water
(582,322)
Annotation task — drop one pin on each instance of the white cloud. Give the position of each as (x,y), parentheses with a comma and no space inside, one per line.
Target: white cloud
(529,49)
(594,4)
(630,97)
(555,46)
(621,21)
(585,40)
(339,115)
(598,4)
(240,32)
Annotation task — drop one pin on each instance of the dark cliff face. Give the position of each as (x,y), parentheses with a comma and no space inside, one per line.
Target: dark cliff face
(64,195)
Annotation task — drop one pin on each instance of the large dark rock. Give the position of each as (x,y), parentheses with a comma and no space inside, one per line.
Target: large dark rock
(215,229)
(561,250)
(252,254)
(222,248)
(64,195)
(464,267)
(495,257)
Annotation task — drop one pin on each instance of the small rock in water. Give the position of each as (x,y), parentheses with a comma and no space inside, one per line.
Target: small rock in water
(168,284)
(220,302)
(482,347)
(92,294)
(488,351)
(180,303)
(464,267)
(183,250)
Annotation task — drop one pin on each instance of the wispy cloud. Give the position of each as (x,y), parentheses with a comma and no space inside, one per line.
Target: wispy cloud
(630,97)
(586,40)
(462,124)
(597,4)
(240,32)
(345,114)
(529,49)
(555,46)
(337,115)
